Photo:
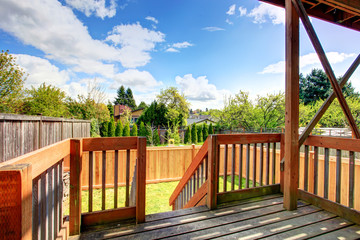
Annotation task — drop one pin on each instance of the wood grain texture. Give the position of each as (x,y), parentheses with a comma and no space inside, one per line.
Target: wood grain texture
(198,196)
(213,171)
(248,138)
(107,216)
(346,144)
(140,179)
(109,143)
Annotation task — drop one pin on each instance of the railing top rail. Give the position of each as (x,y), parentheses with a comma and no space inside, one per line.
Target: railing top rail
(245,138)
(190,171)
(347,144)
(43,158)
(109,143)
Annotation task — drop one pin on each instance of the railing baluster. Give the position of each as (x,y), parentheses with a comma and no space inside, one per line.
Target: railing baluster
(247,165)
(254,165)
(202,173)
(306,168)
(127,190)
(316,160)
(194,185)
(338,176)
(43,206)
(91,177)
(116,177)
(326,173)
(56,200)
(261,164)
(50,203)
(36,210)
(274,163)
(240,165)
(206,167)
(103,182)
(61,193)
(225,167)
(351,178)
(197,178)
(267,176)
(233,168)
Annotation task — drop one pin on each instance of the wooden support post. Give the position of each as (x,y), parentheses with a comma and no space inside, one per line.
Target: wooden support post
(282,165)
(16,201)
(192,152)
(291,107)
(140,179)
(213,172)
(75,186)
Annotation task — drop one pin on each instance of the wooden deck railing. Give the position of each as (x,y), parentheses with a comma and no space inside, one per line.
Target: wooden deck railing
(31,189)
(250,156)
(331,179)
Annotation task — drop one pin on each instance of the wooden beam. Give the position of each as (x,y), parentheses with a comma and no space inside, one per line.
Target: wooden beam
(291,173)
(213,172)
(107,216)
(345,5)
(140,179)
(326,65)
(328,102)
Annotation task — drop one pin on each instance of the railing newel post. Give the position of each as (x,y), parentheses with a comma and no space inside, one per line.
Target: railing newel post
(213,172)
(140,179)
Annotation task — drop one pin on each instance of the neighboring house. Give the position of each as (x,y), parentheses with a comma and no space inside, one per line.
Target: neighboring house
(190,121)
(120,110)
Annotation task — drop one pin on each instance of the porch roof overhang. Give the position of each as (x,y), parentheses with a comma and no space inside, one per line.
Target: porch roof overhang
(345,13)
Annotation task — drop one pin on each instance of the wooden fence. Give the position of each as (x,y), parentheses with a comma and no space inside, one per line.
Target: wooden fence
(21,134)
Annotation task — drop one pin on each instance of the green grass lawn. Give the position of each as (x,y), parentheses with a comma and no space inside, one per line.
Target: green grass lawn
(157,196)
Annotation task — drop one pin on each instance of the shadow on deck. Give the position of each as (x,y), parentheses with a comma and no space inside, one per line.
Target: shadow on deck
(261,217)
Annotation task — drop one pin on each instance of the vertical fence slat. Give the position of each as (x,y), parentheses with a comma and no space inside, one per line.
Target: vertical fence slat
(116,167)
(103,181)
(316,160)
(306,167)
(351,178)
(225,167)
(261,169)
(338,175)
(91,177)
(267,176)
(326,173)
(233,167)
(274,163)
(247,165)
(254,165)
(127,178)
(240,165)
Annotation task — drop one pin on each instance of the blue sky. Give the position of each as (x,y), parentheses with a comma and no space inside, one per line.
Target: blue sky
(208,49)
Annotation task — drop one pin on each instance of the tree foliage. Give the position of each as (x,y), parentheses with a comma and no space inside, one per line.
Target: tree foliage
(211,129)
(187,137)
(155,115)
(104,129)
(125,97)
(199,133)
(205,131)
(194,137)
(126,131)
(111,128)
(118,129)
(142,129)
(134,130)
(12,79)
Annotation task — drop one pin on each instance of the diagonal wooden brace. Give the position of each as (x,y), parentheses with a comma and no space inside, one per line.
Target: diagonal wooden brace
(326,65)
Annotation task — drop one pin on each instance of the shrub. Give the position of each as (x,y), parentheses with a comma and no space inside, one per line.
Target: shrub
(205,132)
(211,129)
(126,132)
(111,128)
(119,129)
(134,130)
(142,130)
(187,137)
(199,133)
(193,134)
(156,138)
(104,129)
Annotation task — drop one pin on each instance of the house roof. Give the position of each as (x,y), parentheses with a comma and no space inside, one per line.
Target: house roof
(192,121)
(345,13)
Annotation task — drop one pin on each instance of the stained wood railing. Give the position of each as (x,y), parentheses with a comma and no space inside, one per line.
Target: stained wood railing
(31,189)
(250,167)
(331,179)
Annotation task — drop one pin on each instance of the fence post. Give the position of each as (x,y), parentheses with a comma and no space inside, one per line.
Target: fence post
(141,179)
(75,186)
(192,152)
(16,201)
(282,163)
(213,172)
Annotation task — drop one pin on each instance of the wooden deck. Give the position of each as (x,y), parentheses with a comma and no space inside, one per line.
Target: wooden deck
(254,218)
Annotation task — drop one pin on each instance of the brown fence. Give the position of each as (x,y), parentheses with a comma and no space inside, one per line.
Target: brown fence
(20,134)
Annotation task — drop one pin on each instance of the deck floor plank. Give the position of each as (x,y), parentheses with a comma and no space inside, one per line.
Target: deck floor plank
(261,217)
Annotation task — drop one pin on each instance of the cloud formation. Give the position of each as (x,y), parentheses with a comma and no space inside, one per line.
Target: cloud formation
(141,81)
(242,11)
(213,29)
(231,10)
(265,12)
(152,19)
(96,7)
(176,46)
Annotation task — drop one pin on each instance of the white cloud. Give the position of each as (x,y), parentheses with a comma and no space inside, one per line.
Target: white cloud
(141,81)
(231,10)
(136,42)
(264,11)
(242,11)
(171,49)
(309,60)
(152,19)
(229,22)
(213,29)
(40,70)
(97,7)
(200,92)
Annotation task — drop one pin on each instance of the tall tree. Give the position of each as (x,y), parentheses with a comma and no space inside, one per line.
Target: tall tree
(111,128)
(205,130)
(142,130)
(155,115)
(119,129)
(134,130)
(269,111)
(194,134)
(177,105)
(142,105)
(121,96)
(211,129)
(130,99)
(187,137)
(199,133)
(126,132)
(110,108)
(12,79)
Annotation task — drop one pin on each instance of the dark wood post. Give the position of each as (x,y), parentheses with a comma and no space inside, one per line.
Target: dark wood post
(141,179)
(16,201)
(75,186)
(282,164)
(213,172)
(291,107)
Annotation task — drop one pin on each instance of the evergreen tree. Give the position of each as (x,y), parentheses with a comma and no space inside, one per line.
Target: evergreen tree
(130,99)
(156,138)
(111,127)
(199,133)
(110,108)
(205,132)
(194,134)
(187,137)
(104,129)
(126,132)
(134,130)
(121,96)
(142,129)
(211,129)
(119,129)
